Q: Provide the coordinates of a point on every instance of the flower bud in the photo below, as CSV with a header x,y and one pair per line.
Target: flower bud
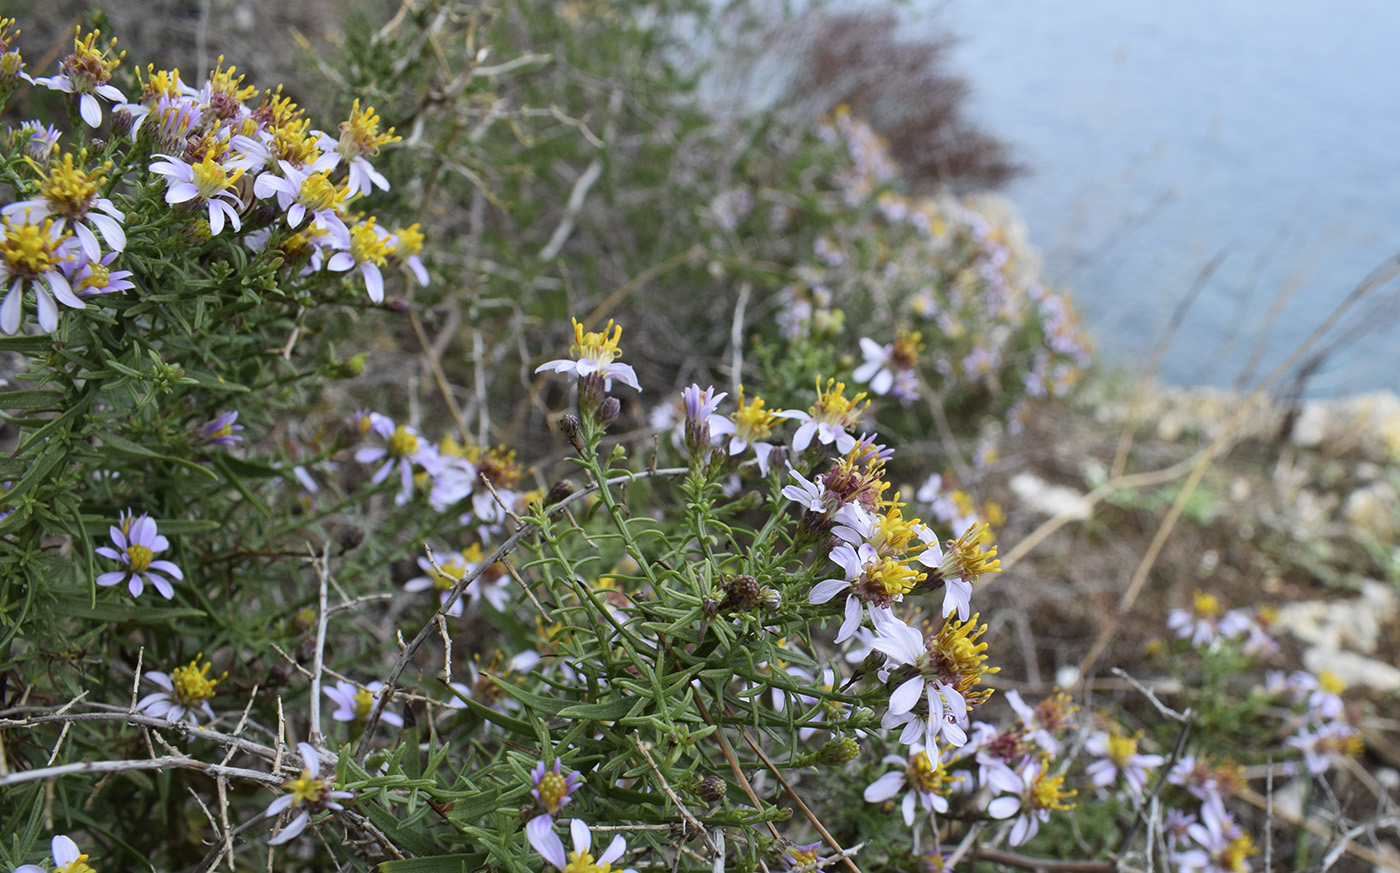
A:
x,y
558,492
569,425
770,599
609,410
741,592
838,751
710,607
711,789
121,123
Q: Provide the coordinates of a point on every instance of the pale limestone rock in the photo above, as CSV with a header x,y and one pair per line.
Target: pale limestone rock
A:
x,y
1048,498
1330,625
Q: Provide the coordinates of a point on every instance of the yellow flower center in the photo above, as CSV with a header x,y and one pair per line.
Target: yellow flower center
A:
x,y
402,442
803,857
77,865
317,192
210,177
753,422
139,556
278,111
97,279
158,83
582,862
957,659
366,246
965,558
1205,605
364,702
360,136
305,788
294,144
907,346
192,683
409,241
70,190
892,533
1049,792
451,572
31,249
833,407
226,82
600,348
553,789
1121,748
1331,682
1236,854
89,65
888,580
926,776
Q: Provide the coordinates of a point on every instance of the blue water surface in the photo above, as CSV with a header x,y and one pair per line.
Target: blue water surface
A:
x,y
1161,133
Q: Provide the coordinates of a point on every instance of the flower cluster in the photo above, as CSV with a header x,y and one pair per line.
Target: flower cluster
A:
x,y
234,160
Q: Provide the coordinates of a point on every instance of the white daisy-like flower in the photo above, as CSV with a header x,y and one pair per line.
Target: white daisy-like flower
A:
x,y
403,448
66,858
137,541
830,420
308,792
354,702
86,74
920,776
208,181
367,249
185,693
540,833
1039,794
69,193
595,354
32,254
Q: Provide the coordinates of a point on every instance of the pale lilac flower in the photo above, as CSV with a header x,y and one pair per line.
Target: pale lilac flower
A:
x,y
920,776
308,792
72,200
222,430
209,182
1118,758
403,447
540,833
1221,846
66,858
829,420
552,790
594,354
1040,793
924,704
354,703
811,496
185,693
32,253
86,73
36,140
90,278
875,580
137,541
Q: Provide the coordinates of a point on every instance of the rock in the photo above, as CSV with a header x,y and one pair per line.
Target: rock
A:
x,y
1048,498
1353,669
1372,509
1331,625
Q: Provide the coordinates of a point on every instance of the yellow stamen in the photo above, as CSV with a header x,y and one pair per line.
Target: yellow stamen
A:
x,y
597,347
32,250
360,136
753,422
305,788
192,683
366,246
553,788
